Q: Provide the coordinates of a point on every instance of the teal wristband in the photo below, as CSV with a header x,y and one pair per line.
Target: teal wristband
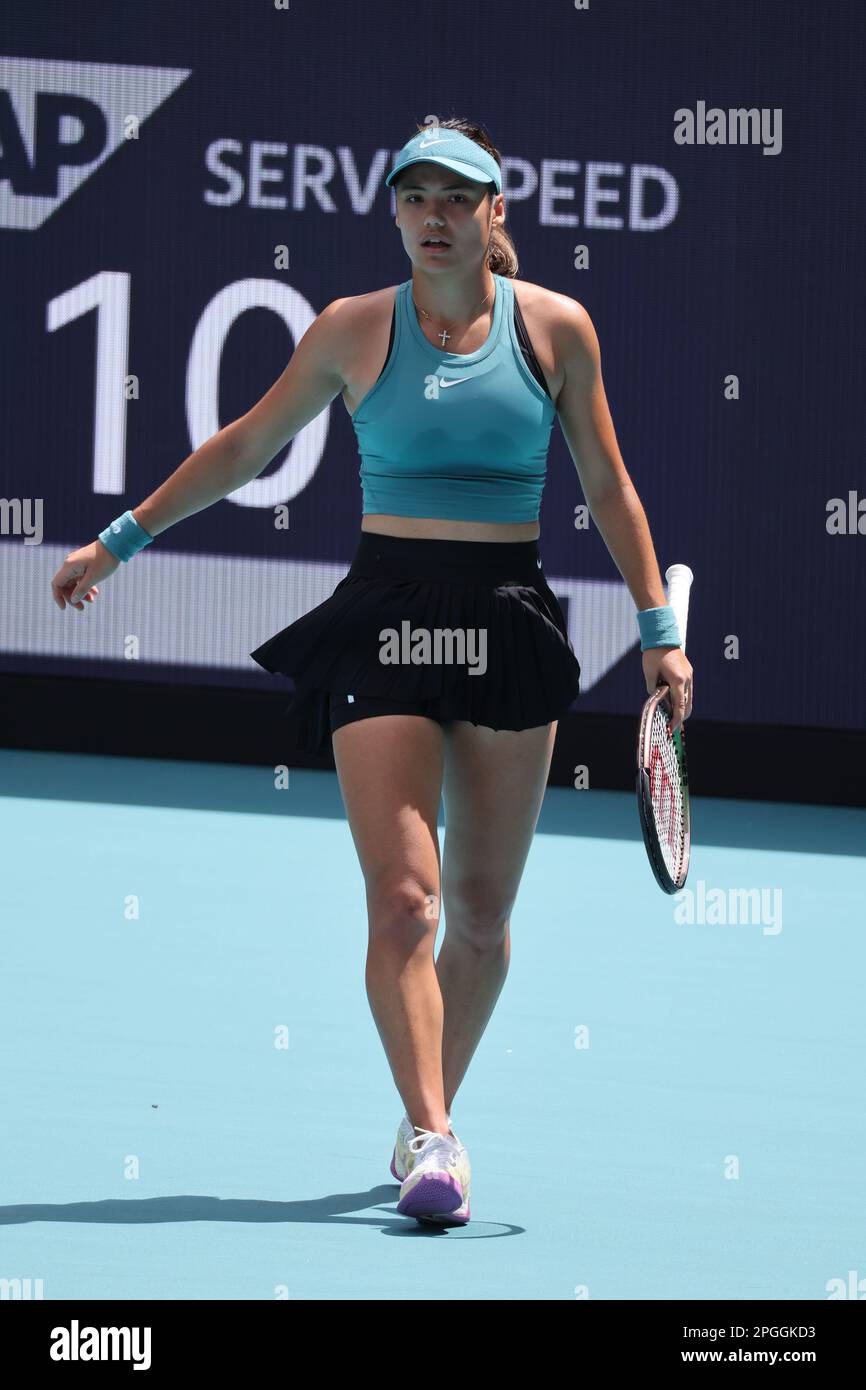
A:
x,y
658,628
124,537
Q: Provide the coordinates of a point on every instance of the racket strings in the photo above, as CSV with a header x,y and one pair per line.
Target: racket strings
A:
x,y
666,793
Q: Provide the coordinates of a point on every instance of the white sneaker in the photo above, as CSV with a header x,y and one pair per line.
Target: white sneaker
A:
x,y
437,1183
403,1157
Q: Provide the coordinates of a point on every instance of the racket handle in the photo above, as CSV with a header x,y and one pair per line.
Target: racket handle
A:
x,y
679,578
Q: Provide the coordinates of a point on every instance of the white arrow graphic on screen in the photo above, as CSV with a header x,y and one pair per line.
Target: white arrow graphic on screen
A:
x,y
105,95
212,610
601,623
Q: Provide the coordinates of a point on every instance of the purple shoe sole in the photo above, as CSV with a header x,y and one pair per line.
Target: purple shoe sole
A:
x,y
435,1193
432,1218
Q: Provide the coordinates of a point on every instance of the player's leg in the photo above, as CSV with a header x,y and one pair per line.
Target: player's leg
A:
x,y
494,784
390,773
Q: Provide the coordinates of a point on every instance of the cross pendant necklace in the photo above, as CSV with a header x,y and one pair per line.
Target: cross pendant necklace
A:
x,y
444,335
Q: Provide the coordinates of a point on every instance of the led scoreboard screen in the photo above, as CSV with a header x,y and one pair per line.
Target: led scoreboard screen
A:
x,y
179,199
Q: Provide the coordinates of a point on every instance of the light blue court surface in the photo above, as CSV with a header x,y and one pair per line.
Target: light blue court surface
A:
x,y
658,1109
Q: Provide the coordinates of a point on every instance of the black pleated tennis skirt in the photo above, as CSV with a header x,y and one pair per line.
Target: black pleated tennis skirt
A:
x,y
468,629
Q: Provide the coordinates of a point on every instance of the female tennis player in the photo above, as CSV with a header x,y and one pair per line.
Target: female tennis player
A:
x,y
441,663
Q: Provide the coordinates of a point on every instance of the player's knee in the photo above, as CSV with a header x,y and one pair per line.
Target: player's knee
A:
x,y
477,914
404,907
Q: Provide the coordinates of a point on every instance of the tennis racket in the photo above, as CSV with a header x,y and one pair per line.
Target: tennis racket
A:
x,y
662,775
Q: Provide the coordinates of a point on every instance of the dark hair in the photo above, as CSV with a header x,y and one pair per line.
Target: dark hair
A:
x,y
501,253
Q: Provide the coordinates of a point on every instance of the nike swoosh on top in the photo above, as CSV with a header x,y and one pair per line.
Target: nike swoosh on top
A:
x,y
455,380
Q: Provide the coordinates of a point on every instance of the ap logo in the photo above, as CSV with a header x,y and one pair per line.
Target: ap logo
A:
x,y
60,121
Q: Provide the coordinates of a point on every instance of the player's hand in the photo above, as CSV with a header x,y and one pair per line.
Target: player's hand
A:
x,y
670,666
75,581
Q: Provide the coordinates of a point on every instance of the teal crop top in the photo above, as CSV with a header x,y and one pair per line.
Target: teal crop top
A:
x,y
463,436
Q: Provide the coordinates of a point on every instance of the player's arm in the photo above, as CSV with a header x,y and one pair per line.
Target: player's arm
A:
x,y
585,418
232,456
243,448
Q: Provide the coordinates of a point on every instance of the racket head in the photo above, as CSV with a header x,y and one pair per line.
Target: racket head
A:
x,y
662,788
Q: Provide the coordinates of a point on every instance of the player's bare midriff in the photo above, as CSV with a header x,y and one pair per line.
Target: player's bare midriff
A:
x,y
373,328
